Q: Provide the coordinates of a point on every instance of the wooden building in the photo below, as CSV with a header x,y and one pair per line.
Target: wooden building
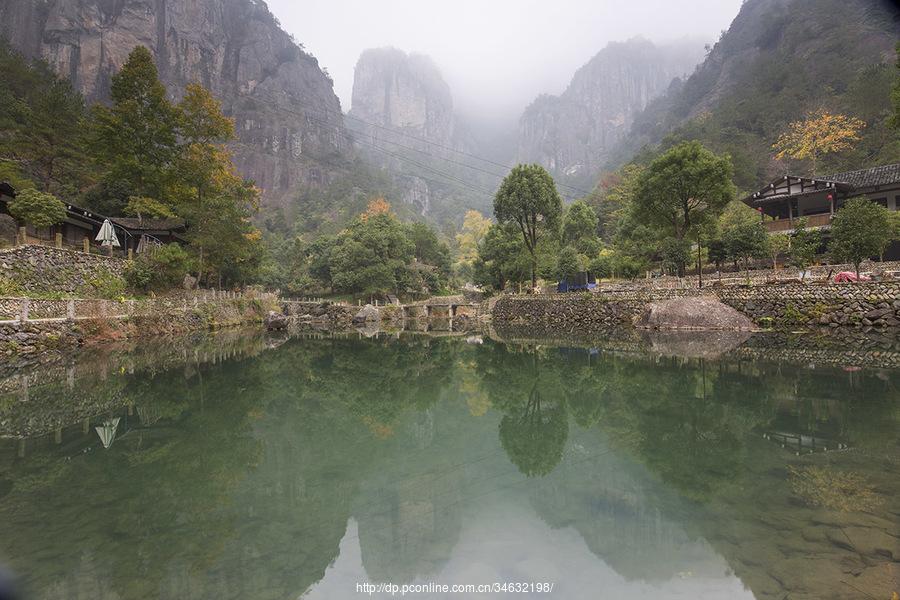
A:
x,y
817,199
82,224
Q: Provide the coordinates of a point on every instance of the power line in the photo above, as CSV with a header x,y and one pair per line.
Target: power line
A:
x,y
453,178
292,97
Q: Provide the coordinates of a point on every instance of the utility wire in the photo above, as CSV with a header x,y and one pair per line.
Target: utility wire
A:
x,y
340,116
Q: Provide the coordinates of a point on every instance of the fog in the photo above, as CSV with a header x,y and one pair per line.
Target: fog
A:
x,y
496,55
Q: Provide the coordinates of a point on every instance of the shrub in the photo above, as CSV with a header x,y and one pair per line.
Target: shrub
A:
x,y
37,208
104,285
162,269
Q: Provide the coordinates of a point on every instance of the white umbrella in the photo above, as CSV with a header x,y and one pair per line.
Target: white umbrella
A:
x,y
107,431
107,235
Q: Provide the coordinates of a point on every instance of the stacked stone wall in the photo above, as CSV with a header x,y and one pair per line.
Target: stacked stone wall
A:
x,y
47,270
792,306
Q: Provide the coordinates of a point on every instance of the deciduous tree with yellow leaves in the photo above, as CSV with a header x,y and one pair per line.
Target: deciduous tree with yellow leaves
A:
x,y
820,133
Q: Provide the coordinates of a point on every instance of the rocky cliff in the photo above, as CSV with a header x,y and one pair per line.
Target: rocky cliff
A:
x,y
571,134
288,118
778,60
403,119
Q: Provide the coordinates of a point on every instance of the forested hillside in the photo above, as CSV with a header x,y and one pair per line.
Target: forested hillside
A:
x,y
779,60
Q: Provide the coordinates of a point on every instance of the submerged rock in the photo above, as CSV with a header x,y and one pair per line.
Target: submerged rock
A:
x,y
692,313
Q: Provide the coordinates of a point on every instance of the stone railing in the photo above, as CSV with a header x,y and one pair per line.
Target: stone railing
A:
x,y
30,310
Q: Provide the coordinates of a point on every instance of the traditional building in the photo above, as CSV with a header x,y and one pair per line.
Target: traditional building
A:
x,y
816,199
82,224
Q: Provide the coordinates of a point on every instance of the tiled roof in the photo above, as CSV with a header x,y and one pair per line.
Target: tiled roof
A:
x,y
863,178
148,224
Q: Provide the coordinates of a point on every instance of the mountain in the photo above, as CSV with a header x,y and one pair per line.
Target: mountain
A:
x,y
778,60
403,120
290,128
571,134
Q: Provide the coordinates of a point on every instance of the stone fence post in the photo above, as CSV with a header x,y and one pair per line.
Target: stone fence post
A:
x,y
70,310
24,308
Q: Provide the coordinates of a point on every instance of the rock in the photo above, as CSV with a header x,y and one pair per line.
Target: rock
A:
x,y
276,321
189,283
367,314
237,50
872,315
693,313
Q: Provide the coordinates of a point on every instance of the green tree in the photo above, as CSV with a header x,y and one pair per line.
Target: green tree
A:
x,y
208,193
683,188
674,254
42,123
569,263
717,250
148,207
502,258
37,208
135,139
371,256
860,230
778,244
804,246
580,228
745,242
528,198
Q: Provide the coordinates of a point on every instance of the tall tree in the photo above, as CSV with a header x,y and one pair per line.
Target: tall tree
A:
x,y
528,198
475,226
580,228
817,135
684,189
860,230
135,139
41,124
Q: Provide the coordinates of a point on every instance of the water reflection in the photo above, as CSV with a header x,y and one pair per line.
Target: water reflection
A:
x,y
248,466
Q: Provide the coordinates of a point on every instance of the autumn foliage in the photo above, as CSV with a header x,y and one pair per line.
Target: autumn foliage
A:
x,y
820,133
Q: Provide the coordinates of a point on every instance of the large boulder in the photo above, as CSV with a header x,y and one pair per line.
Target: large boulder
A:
x,y
276,321
693,313
367,314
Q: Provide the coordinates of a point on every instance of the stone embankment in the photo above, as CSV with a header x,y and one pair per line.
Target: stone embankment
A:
x,y
29,327
44,269
788,307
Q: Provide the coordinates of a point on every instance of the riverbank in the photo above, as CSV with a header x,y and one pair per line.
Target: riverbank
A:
x,y
781,307
33,330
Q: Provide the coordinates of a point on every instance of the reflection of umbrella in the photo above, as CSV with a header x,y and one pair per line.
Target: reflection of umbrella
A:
x,y
107,235
107,431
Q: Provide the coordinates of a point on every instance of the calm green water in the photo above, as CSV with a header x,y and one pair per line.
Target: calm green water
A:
x,y
255,468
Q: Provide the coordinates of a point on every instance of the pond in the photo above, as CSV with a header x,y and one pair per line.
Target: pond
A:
x,y
245,466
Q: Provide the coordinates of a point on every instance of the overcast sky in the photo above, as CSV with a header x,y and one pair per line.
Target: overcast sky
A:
x,y
497,55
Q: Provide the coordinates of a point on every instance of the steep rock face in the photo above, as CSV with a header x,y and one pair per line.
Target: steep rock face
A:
x,y
571,134
288,119
402,92
778,60
403,119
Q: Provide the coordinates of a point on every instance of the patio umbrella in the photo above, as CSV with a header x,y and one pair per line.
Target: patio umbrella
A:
x,y
107,431
107,235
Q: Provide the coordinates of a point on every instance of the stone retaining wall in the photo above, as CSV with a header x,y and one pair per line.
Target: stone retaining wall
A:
x,y
104,320
794,306
45,269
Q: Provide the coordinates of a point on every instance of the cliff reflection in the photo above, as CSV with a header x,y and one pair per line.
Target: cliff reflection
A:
x,y
233,469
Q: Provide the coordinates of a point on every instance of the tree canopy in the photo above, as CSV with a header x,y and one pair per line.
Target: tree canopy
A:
x,y
860,230
37,208
528,198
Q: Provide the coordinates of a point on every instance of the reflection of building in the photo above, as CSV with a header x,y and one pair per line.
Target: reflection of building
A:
x,y
816,199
